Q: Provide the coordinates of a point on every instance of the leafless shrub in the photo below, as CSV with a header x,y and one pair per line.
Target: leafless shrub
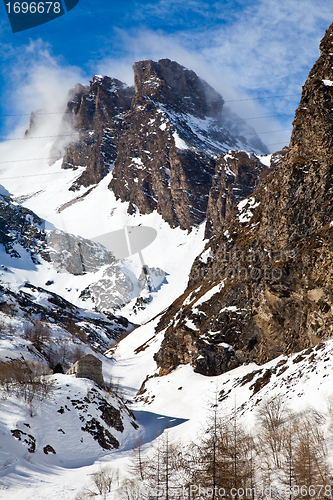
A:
x,y
133,489
272,417
85,494
38,333
311,464
25,379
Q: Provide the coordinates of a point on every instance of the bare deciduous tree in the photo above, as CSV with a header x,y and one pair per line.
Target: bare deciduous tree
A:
x,y
26,379
139,462
104,479
272,418
311,465
133,489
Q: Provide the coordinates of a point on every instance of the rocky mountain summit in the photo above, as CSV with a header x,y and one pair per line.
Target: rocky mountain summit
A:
x,y
162,139
263,286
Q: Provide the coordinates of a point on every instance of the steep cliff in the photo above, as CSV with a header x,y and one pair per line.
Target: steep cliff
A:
x,y
263,286
237,174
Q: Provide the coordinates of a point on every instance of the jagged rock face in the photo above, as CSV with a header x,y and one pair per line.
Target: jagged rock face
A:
x,y
312,133
35,118
263,286
117,287
154,174
237,174
94,112
161,140
156,169
75,254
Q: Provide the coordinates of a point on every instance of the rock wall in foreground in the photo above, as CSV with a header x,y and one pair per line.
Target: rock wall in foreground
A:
x,y
263,286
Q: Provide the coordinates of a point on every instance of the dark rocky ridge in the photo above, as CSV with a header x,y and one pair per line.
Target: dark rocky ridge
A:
x,y
263,285
237,174
161,140
36,303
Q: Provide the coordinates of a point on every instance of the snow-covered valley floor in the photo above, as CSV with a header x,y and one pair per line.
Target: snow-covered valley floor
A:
x,y
179,401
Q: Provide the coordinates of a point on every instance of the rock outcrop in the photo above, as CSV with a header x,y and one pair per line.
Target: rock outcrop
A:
x,y
19,225
263,286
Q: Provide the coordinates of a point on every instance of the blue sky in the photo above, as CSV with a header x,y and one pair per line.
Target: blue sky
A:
x,y
250,51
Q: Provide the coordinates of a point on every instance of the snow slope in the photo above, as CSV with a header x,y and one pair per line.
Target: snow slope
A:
x,y
304,378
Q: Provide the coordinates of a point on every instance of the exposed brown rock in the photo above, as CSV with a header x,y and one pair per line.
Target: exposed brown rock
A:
x,y
151,173
167,151
157,167
263,286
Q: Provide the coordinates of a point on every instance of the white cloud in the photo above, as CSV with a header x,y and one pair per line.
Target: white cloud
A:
x,y
37,81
